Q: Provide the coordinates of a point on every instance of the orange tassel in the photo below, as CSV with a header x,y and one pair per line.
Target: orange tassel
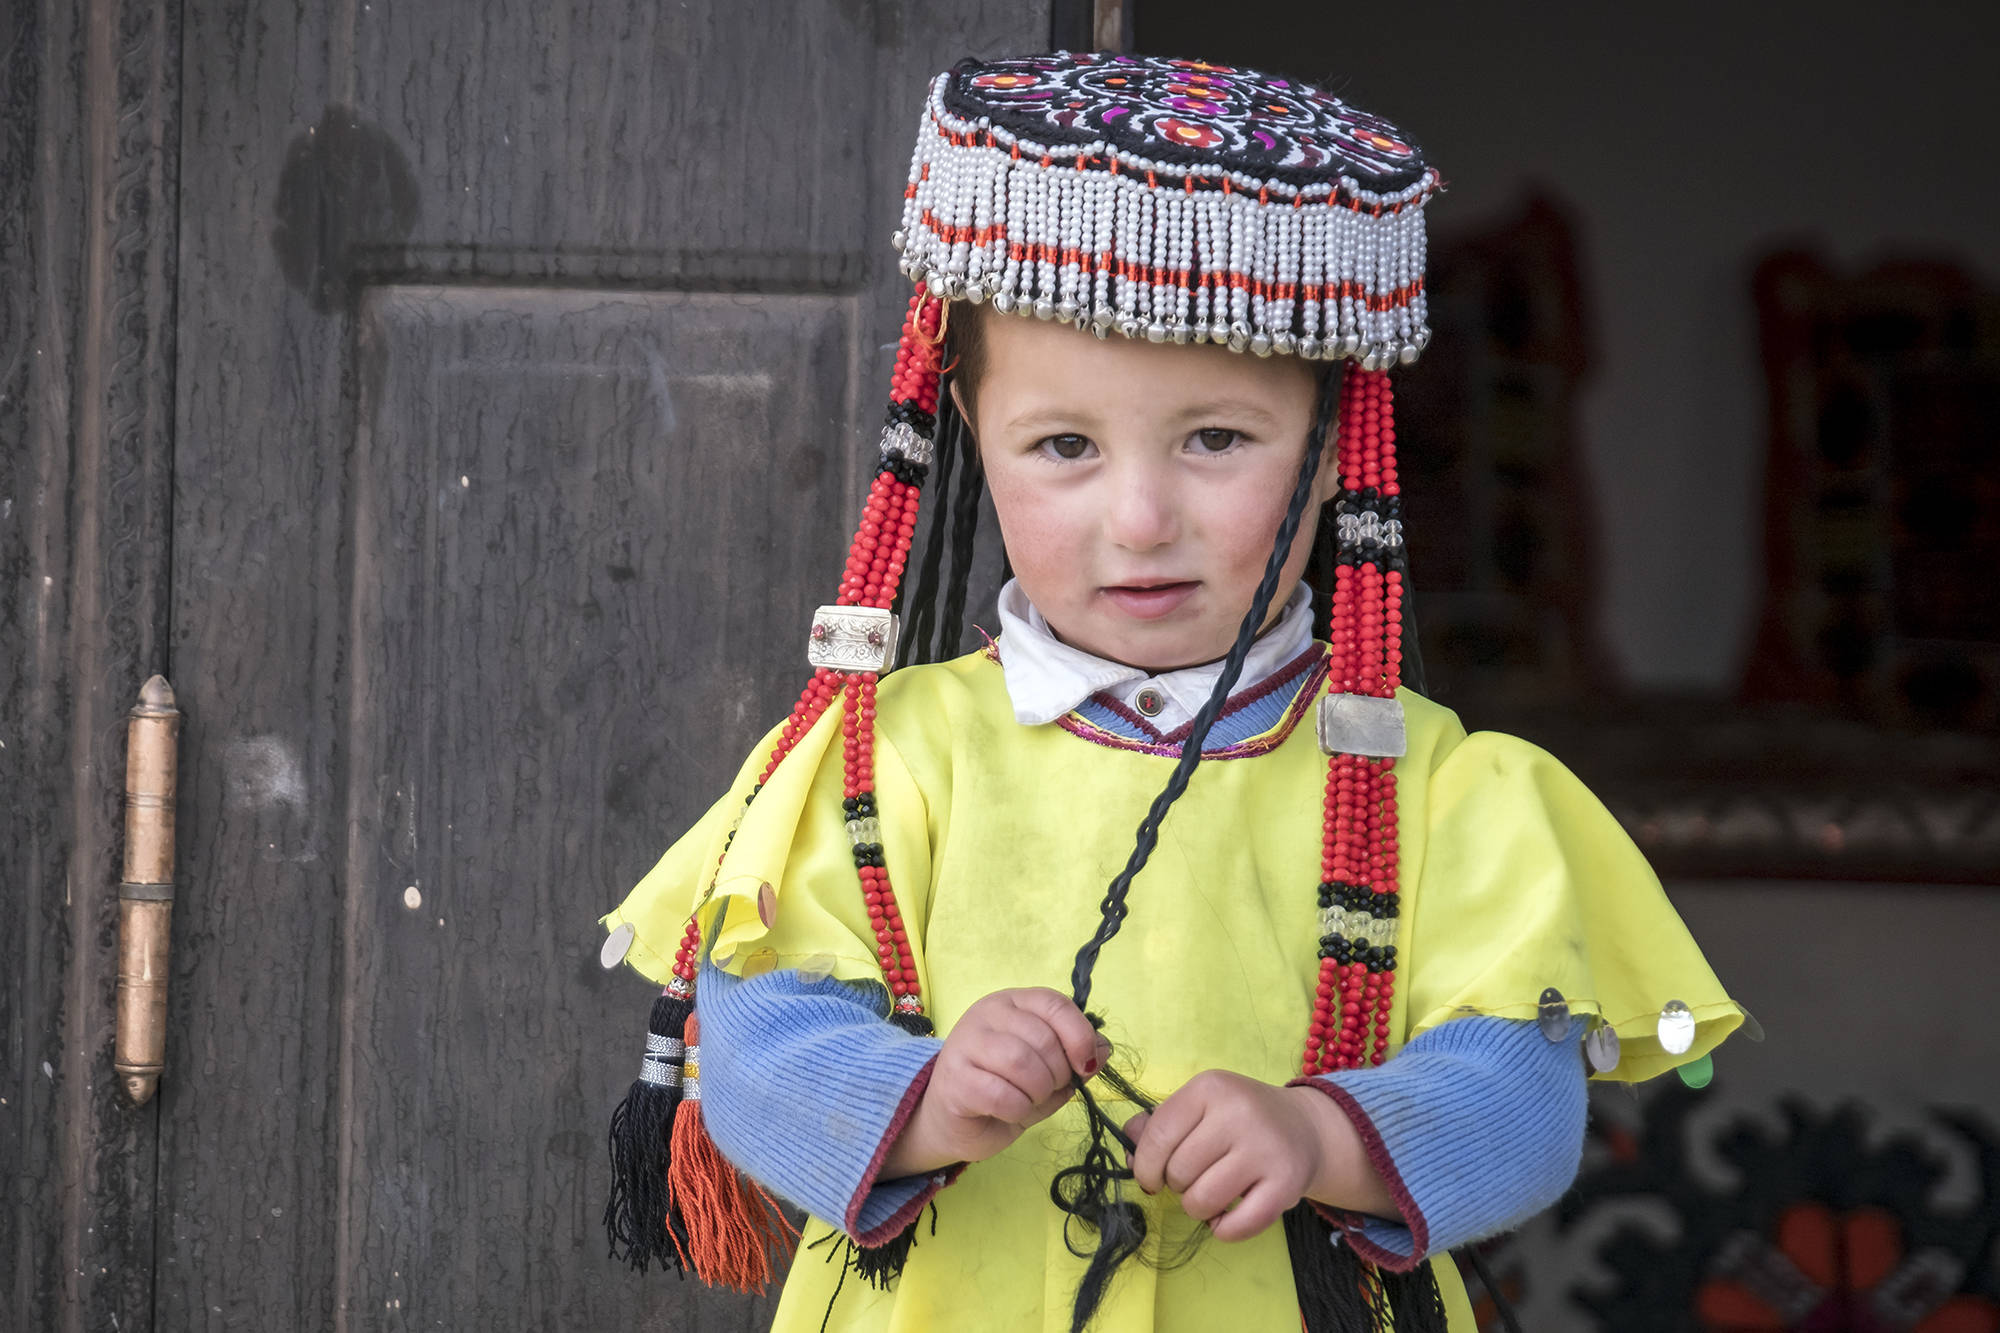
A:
x,y
736,1234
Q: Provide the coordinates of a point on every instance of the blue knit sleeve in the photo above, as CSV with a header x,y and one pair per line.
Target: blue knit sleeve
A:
x,y
805,1085
1475,1126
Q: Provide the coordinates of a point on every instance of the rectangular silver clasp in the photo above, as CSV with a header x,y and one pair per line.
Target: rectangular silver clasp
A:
x,y
852,638
1362,724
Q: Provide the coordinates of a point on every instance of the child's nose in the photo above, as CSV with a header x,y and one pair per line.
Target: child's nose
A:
x,y
1141,516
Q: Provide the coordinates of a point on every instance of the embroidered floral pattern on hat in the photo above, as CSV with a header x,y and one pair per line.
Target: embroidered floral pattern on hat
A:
x,y
1171,199
1270,126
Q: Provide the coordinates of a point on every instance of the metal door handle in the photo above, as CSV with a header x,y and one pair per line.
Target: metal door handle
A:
x,y
146,898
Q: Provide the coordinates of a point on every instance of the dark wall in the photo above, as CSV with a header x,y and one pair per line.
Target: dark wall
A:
x,y
1688,140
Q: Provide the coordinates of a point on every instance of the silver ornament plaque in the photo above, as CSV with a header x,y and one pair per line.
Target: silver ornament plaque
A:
x,y
1676,1027
852,638
1552,1014
1601,1048
1362,724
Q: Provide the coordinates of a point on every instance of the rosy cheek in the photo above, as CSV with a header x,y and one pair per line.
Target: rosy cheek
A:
x,y
1043,545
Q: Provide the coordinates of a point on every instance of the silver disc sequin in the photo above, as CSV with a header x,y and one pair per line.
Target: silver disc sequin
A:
x,y
1676,1027
616,945
1601,1048
1552,1014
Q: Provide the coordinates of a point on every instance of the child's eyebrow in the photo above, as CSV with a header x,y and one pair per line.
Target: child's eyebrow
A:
x,y
1223,408
1212,410
1042,418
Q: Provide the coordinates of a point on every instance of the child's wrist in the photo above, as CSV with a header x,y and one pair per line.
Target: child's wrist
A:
x,y
914,1151
1345,1177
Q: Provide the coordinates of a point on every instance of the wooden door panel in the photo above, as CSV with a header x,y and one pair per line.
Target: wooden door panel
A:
x,y
626,141
591,484
499,328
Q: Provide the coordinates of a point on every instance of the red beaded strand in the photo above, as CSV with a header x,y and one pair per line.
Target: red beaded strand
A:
x,y
1358,844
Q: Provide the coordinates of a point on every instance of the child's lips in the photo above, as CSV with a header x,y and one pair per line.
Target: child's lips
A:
x,y
1150,600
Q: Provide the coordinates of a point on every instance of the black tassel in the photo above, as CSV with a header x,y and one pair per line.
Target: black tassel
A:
x,y
1331,1282
639,1219
880,1265
1414,1300
877,1265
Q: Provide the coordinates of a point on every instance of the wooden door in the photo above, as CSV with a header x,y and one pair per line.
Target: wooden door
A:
x,y
501,388
529,359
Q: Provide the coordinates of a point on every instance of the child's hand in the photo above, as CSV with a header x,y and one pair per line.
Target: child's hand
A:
x,y
1225,1140
1007,1064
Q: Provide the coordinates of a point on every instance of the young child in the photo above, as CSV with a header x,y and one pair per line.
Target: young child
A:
x,y
1363,952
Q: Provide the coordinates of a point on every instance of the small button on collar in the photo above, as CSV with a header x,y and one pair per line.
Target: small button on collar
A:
x,y
1149,701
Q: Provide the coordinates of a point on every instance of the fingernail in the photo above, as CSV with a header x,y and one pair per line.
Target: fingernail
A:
x,y
1091,1066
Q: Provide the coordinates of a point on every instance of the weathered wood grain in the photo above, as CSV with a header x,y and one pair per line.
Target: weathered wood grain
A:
x,y
566,638
89,106
529,361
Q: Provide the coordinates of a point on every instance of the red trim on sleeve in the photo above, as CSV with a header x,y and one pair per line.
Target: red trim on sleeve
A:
x,y
1346,1220
907,1214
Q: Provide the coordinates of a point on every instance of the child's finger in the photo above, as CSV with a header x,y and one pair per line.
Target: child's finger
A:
x,y
1207,1196
1259,1208
1197,1164
1025,1069
1164,1129
1037,1036
1049,1105
1080,1041
985,1093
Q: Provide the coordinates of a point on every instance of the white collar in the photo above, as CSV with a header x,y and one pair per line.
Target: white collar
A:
x,y
1046,677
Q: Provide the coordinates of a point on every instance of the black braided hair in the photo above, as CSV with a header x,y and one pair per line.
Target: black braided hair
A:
x,y
938,593
1113,906
1088,1191
922,597
965,529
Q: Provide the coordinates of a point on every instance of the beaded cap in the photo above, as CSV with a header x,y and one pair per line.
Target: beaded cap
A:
x,y
1171,199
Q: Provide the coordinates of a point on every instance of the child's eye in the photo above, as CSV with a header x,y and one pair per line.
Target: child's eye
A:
x,y
1065,448
1214,440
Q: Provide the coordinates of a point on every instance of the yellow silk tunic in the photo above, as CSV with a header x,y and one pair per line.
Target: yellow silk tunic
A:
x,y
1000,839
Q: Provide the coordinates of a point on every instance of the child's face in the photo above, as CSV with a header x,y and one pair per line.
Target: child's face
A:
x,y
1140,485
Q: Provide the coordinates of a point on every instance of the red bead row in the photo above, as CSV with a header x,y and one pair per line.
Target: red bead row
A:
x,y
881,546
915,380
1358,842
1368,432
875,567
892,941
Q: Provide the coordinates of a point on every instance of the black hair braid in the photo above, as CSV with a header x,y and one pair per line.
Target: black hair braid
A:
x,y
1113,906
916,640
964,529
1088,1192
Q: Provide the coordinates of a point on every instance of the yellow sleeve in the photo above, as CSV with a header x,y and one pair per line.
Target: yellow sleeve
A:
x,y
657,908
792,838
1527,882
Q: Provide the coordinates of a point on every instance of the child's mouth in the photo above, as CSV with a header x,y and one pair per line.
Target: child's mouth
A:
x,y
1149,601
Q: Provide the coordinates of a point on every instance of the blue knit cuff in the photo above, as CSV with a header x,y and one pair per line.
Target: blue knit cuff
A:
x,y
804,1086
1475,1126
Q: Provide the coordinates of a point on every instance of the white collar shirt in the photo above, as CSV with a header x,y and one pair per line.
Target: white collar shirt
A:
x,y
1047,678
